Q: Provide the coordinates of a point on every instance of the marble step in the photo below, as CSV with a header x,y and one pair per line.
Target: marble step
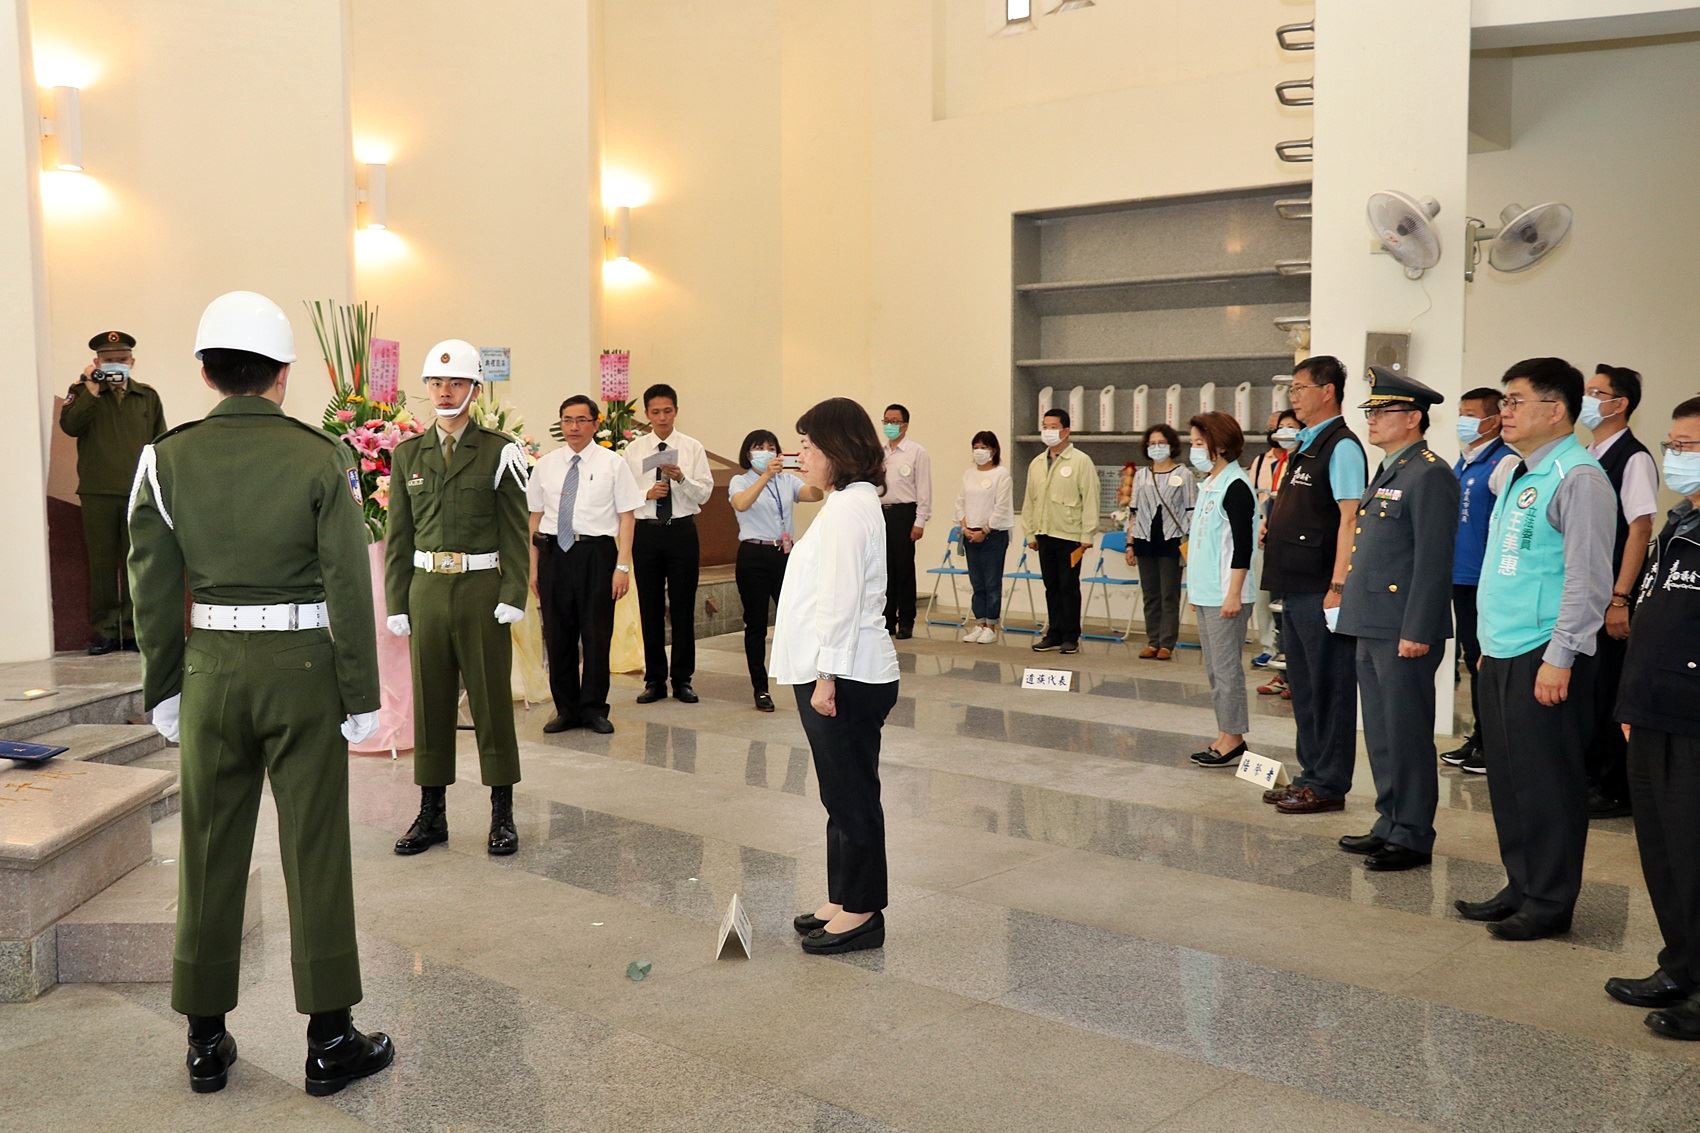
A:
x,y
119,703
104,743
169,803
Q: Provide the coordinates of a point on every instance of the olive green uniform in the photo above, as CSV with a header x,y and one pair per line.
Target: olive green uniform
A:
x,y
251,507
111,427
474,505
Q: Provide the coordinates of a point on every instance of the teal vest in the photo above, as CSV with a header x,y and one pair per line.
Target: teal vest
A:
x,y
1523,570
1211,545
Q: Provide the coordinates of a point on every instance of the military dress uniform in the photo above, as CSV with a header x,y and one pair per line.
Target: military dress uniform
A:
x,y
1399,588
110,428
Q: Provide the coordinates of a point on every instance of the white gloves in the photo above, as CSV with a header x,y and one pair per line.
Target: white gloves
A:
x,y
399,625
361,725
507,614
165,717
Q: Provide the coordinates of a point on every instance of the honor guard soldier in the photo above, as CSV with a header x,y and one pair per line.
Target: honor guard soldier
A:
x,y
1397,605
260,515
456,571
112,416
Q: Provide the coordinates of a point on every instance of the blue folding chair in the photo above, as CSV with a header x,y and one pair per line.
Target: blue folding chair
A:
x,y
1022,574
1100,583
947,568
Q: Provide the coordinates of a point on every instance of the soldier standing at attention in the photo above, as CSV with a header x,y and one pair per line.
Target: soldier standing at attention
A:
x,y
112,416
1398,606
456,570
261,515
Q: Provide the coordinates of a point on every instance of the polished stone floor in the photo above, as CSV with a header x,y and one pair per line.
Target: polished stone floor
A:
x,y
1086,933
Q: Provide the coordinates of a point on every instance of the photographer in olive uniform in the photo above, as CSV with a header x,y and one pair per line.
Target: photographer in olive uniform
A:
x,y
457,567
260,516
112,416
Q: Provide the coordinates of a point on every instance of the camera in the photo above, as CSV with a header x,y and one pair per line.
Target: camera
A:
x,y
113,373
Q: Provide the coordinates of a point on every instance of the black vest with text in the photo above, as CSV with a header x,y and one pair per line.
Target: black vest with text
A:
x,y
1660,689
1304,528
1614,461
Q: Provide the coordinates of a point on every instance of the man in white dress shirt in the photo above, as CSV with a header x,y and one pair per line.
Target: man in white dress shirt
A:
x,y
665,552
582,498
907,505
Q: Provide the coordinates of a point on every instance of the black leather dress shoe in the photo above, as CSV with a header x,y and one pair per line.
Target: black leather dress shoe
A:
x,y
1391,859
1489,910
652,693
1679,1022
806,923
599,725
1657,990
764,702
1362,843
1210,757
131,645
869,934
209,1063
335,1063
559,723
685,694
904,633
1604,806
101,646
504,839
1522,926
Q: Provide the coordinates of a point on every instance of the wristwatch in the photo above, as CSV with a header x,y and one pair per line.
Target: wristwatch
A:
x,y
1337,588
825,677
623,568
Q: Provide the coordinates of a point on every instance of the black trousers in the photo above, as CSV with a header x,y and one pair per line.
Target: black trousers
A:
x,y
1470,650
760,572
1664,788
576,588
846,748
665,561
1062,587
1607,755
1322,672
1536,781
899,566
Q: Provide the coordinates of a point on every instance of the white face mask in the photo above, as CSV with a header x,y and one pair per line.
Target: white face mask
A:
x,y
1157,452
760,458
451,414
1201,458
1287,437
1051,437
982,456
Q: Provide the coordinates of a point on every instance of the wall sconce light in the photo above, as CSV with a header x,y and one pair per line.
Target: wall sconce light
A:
x,y
65,127
373,196
617,234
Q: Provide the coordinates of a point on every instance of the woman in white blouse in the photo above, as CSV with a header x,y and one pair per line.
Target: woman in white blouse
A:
x,y
830,643
985,510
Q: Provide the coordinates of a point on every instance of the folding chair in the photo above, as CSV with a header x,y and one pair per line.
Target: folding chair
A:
x,y
1022,574
947,568
1111,541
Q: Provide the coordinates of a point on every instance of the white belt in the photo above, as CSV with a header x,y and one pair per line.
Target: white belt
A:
x,y
258,619
455,562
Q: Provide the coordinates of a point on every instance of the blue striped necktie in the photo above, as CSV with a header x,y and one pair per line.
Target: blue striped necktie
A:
x,y
564,535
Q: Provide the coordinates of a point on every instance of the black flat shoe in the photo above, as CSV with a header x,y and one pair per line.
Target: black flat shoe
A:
x,y
333,1064
869,934
806,923
652,693
599,725
903,634
1522,926
101,646
1391,859
1489,910
1604,806
764,702
558,723
209,1063
1362,843
1210,757
1679,1022
1657,990
685,694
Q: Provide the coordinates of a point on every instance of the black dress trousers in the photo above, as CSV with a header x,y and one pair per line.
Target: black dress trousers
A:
x,y
760,572
1664,788
1062,587
666,559
576,588
899,566
847,762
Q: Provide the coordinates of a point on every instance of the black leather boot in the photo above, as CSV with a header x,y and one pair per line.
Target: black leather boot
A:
x,y
337,1055
211,1051
432,825
504,839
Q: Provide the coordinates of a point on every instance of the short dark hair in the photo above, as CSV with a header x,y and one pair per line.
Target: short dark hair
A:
x,y
583,399
990,440
844,434
755,437
1286,413
1484,393
1221,433
1626,383
1689,408
1167,432
1325,370
902,411
660,389
240,373
1060,414
1551,377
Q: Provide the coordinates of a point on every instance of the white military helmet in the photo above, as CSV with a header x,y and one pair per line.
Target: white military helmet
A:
x,y
244,320
452,358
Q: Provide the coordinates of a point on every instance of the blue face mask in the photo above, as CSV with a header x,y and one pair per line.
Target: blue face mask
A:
x,y
892,430
1287,437
1682,472
760,458
1469,429
1591,416
1157,452
1201,459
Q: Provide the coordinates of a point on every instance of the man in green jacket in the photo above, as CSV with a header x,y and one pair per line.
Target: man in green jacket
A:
x,y
457,565
112,416
1060,515
259,515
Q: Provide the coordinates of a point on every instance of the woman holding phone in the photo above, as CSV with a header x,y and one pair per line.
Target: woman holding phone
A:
x,y
765,497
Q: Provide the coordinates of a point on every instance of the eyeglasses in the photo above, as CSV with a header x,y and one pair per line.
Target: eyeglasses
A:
x,y
1295,387
578,420
1516,403
1386,409
1680,446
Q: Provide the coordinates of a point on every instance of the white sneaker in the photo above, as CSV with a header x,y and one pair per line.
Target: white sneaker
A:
x,y
988,635
972,636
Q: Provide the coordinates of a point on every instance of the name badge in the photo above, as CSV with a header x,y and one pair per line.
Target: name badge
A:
x,y
1176,479
903,470
1066,472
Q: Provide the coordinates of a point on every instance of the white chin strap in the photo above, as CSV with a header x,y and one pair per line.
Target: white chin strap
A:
x,y
451,414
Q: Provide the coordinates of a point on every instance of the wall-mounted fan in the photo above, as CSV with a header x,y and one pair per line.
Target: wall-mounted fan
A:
x,y
1404,226
1523,239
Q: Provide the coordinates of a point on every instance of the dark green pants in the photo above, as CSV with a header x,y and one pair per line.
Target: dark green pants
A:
x,y
456,639
106,536
263,705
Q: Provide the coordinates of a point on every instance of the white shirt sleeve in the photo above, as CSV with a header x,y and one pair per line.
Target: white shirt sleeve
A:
x,y
1003,508
923,487
534,487
698,483
1501,474
1640,495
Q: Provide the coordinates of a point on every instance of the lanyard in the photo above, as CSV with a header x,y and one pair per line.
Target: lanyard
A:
x,y
778,502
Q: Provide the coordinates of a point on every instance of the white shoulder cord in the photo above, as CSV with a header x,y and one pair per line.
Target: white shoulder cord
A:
x,y
148,467
513,460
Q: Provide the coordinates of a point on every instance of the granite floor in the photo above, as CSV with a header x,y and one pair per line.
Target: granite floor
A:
x,y
1086,933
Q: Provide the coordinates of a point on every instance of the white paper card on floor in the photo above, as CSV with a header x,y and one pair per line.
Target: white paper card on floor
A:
x,y
736,927
1262,770
1056,680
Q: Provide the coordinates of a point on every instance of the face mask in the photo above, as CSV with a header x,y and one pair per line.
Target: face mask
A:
x,y
891,430
1201,458
1469,429
760,458
1157,452
982,456
1332,617
1051,437
1591,416
1682,472
456,411
1287,438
